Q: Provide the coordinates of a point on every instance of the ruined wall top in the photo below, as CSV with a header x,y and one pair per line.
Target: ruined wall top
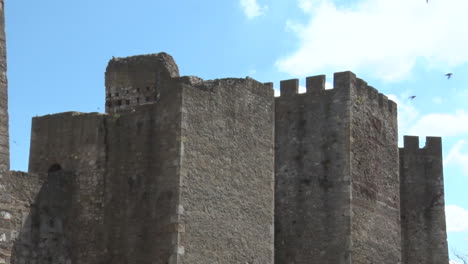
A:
x,y
137,80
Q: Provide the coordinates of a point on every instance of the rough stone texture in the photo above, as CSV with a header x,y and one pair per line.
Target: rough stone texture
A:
x,y
312,185
142,182
142,178
75,143
4,139
337,180
180,170
45,234
375,203
18,191
424,237
227,172
137,80
125,179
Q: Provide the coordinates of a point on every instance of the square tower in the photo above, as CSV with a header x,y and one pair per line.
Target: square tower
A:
x,y
137,80
185,178
336,166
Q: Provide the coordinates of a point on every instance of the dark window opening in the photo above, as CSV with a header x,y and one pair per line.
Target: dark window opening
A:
x,y
55,167
119,102
127,102
147,99
109,103
126,91
138,89
138,99
109,95
147,88
116,94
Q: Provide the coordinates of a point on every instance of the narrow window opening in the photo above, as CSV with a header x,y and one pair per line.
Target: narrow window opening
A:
x,y
127,102
138,99
119,102
55,167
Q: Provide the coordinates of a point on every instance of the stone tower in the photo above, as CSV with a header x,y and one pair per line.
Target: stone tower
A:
x,y
183,177
4,139
424,236
137,80
337,186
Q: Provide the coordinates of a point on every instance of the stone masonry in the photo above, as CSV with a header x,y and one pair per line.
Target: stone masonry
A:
x,y
337,169
424,239
4,139
184,170
163,181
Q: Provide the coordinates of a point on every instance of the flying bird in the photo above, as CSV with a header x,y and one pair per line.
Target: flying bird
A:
x,y
448,75
412,97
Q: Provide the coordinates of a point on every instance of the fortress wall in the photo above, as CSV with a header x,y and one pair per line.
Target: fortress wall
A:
x,y
375,177
4,138
226,197
137,80
18,191
124,190
72,143
141,182
312,167
424,238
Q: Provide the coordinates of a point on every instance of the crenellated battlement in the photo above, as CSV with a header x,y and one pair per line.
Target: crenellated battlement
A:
x,y
342,81
433,145
422,206
316,84
367,93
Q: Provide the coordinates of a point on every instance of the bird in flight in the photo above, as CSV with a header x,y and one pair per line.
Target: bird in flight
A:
x,y
412,97
448,75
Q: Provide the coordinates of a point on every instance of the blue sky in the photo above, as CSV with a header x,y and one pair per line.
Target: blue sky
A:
x,y
58,51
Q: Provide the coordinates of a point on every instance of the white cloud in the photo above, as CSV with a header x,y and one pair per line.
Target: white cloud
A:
x,y
407,113
456,157
252,9
277,92
382,37
457,218
306,5
453,262
302,89
447,124
437,100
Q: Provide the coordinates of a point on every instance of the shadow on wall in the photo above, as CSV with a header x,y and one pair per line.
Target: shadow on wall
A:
x,y
43,237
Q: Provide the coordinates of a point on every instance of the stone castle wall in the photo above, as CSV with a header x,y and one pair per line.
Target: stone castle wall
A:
x,y
375,184
227,173
181,170
18,191
312,184
124,191
337,179
141,178
137,80
424,236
